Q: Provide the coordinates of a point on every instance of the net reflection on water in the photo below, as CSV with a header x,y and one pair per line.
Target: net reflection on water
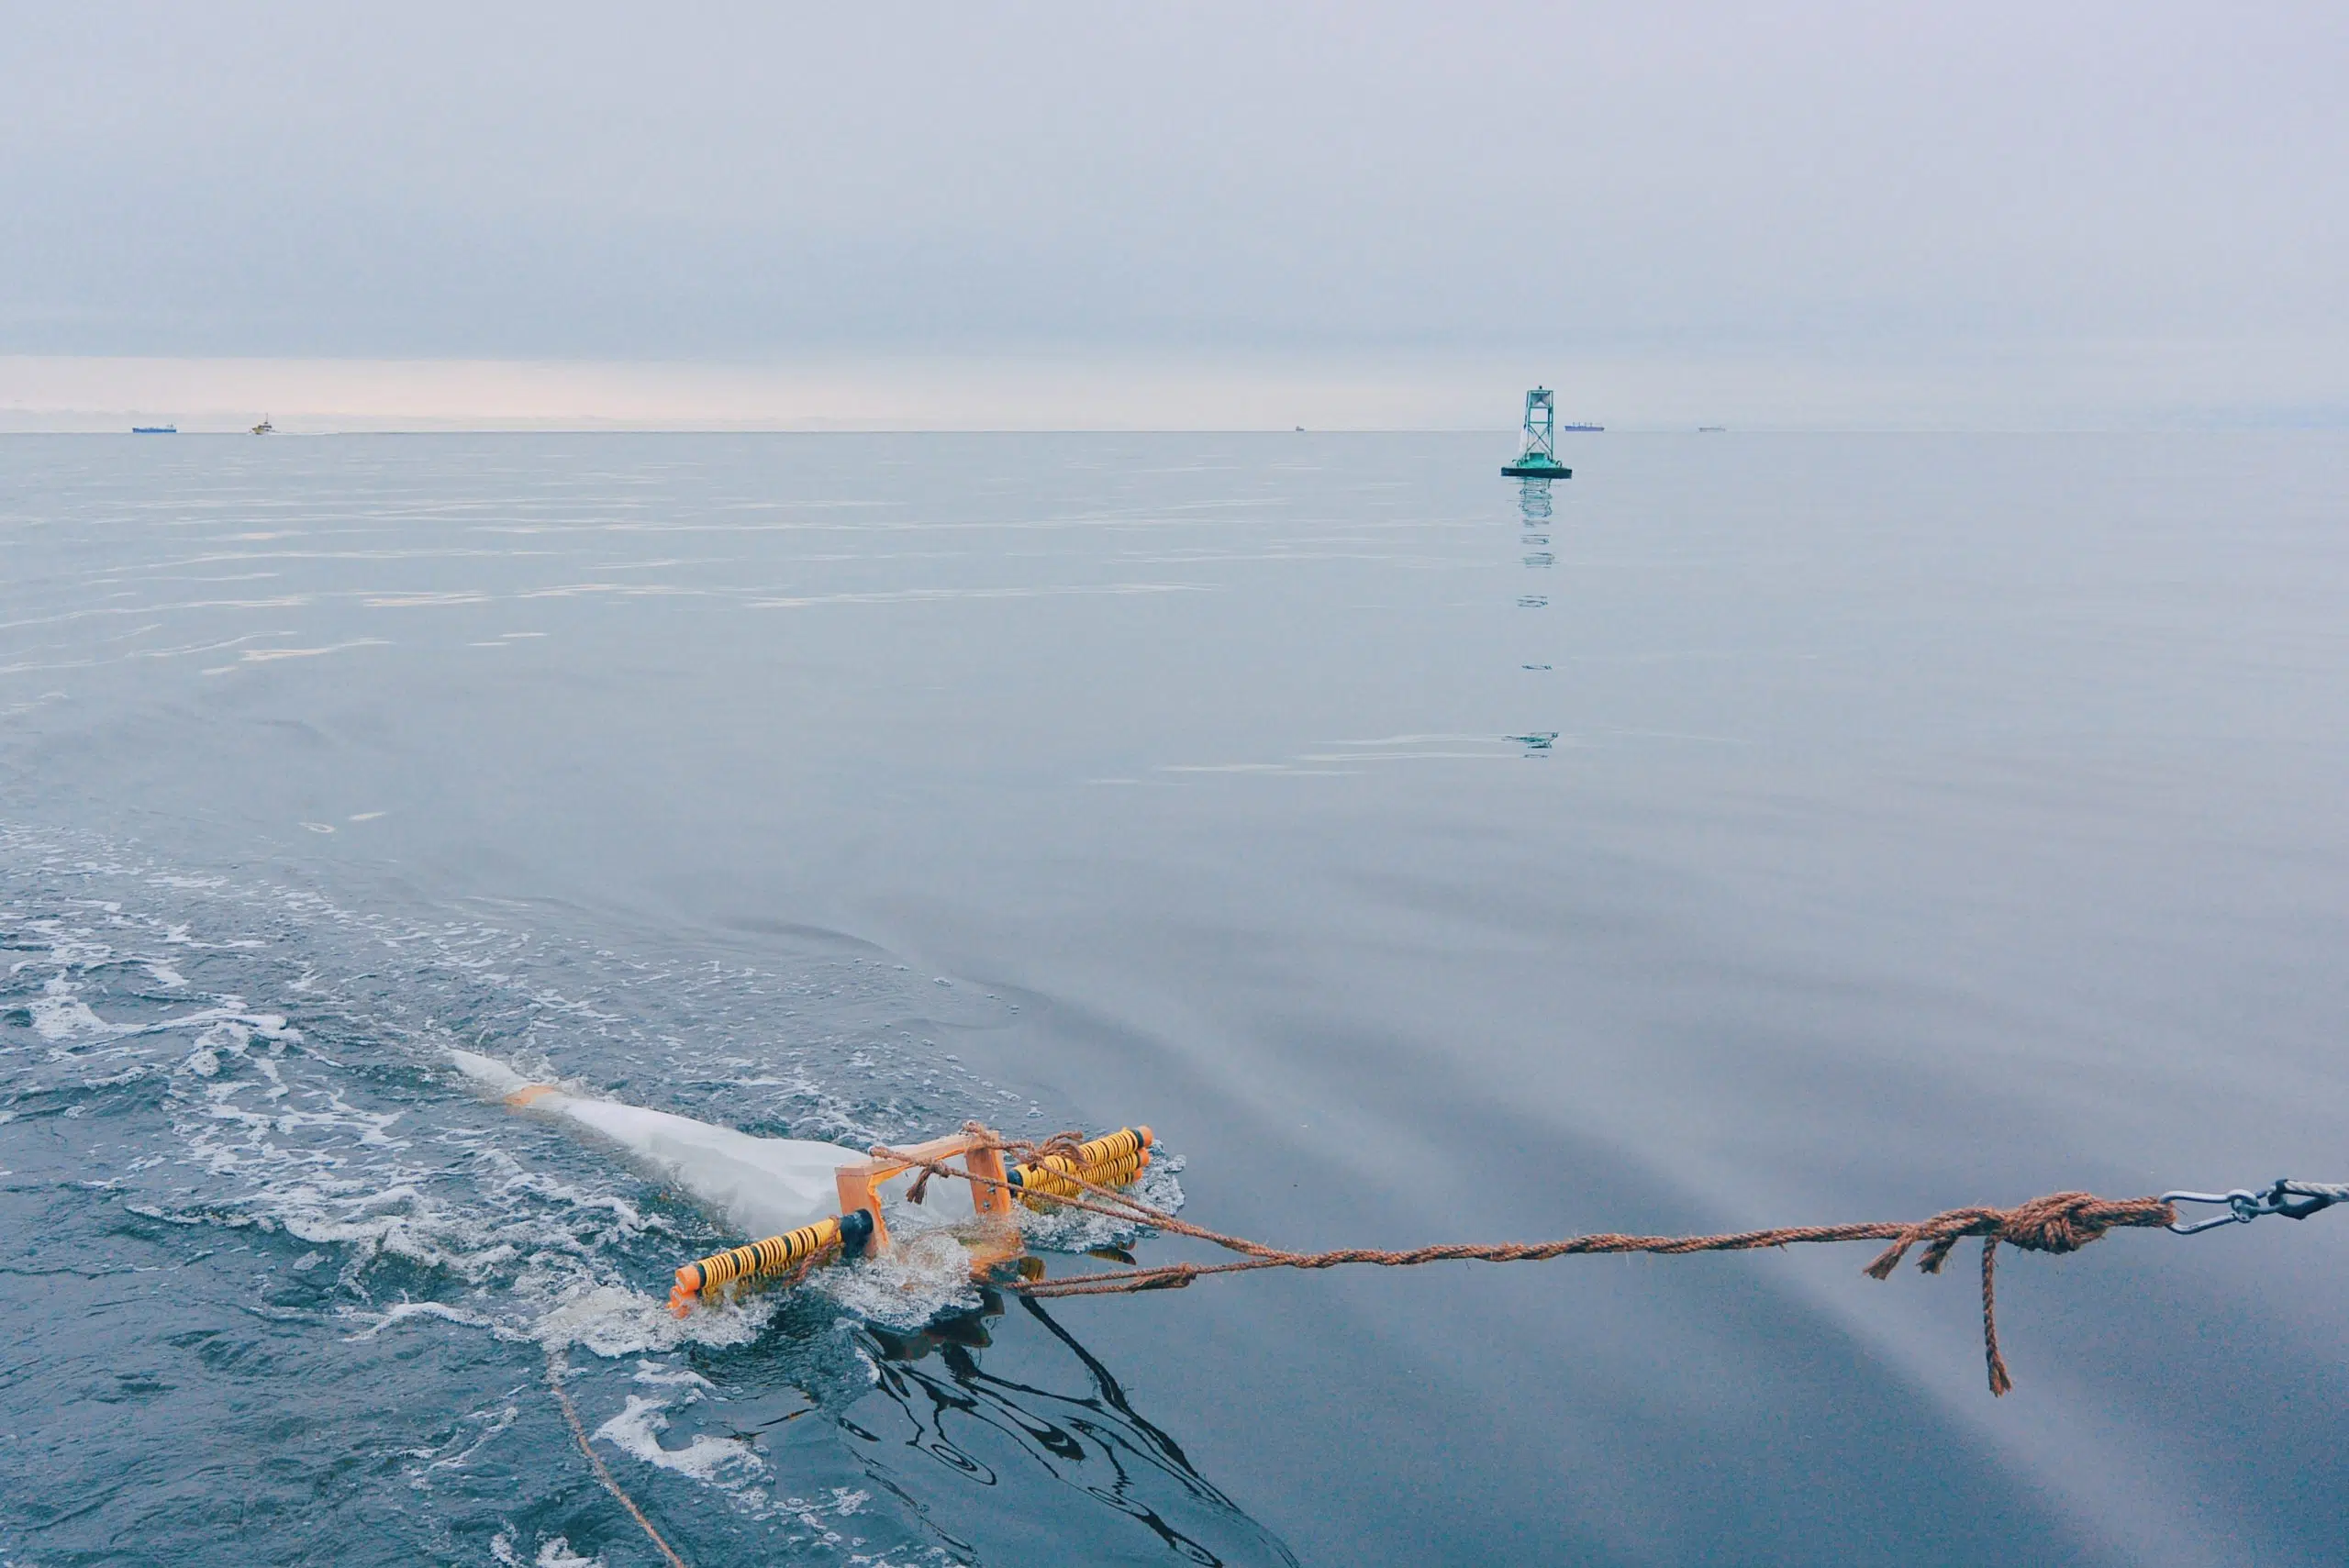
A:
x,y
1064,1417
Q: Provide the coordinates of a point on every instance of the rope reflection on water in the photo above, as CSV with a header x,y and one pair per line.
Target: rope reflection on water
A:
x,y
1066,1417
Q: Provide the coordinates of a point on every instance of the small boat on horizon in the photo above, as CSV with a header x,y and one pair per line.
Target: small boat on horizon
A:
x,y
264,428
154,429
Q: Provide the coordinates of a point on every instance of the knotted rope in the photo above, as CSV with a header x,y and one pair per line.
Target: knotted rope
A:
x,y
2058,1223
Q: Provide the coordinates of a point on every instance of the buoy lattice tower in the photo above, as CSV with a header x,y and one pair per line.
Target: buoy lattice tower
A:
x,y
1541,424
1538,457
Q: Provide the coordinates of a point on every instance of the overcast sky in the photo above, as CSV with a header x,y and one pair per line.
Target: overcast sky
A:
x,y
2147,203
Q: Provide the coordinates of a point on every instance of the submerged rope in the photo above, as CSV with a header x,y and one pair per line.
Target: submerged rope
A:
x,y
2057,1223
579,1435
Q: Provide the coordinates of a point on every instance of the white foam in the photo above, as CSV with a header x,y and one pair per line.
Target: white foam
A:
x,y
553,1552
659,1376
404,1311
729,1463
920,1278
59,1013
489,1426
612,1321
1062,1229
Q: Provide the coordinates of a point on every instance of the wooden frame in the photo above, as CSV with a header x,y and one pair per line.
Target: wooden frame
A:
x,y
860,1185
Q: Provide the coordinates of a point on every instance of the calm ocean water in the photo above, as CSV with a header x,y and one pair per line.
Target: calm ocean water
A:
x,y
1757,831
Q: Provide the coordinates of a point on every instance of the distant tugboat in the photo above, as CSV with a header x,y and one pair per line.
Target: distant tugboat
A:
x,y
154,429
264,428
1539,458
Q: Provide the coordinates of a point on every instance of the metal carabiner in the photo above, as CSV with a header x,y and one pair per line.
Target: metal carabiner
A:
x,y
2242,1207
2293,1200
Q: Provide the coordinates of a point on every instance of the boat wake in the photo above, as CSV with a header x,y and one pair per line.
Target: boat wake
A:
x,y
246,1194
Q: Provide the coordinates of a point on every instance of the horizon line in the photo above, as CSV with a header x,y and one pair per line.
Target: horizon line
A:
x,y
2133,428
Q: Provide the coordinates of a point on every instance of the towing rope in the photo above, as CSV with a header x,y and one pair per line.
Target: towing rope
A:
x,y
2060,1222
555,1367
2057,1223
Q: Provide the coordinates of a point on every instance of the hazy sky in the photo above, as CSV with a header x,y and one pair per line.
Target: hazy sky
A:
x,y
1948,206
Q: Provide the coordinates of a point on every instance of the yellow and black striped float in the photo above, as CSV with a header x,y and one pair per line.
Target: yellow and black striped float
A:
x,y
1110,1161
772,1255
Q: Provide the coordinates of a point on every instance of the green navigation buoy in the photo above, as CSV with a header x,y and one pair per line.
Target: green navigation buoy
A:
x,y
1539,458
